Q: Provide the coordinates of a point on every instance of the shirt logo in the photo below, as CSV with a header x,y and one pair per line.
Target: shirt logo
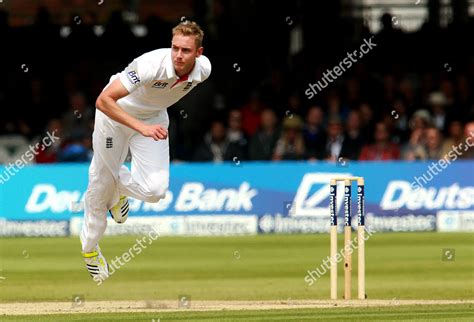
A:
x,y
159,84
188,86
132,75
108,142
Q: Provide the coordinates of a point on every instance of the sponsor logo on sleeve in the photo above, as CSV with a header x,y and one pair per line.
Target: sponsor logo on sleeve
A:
x,y
133,76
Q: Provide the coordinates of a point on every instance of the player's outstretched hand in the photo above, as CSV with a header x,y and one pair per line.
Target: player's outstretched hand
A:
x,y
154,131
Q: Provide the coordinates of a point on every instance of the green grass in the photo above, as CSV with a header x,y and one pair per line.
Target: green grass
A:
x,y
405,313
271,267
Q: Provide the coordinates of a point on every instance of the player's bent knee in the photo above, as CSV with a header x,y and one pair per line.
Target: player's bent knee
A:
x,y
157,189
157,193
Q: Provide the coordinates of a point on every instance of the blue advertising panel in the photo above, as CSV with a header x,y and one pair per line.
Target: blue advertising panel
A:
x,y
272,191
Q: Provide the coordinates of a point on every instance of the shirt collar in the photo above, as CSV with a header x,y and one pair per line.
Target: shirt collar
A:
x,y
195,74
170,73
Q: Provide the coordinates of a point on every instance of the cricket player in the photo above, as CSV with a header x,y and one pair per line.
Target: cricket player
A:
x,y
131,114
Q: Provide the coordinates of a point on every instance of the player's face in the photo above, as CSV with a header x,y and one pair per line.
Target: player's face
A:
x,y
184,52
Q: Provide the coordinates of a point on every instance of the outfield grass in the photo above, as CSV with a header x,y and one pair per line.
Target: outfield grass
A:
x,y
399,266
404,313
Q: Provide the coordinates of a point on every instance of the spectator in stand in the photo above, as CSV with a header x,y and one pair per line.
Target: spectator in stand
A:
x,y
264,141
455,138
382,149
367,120
78,116
390,40
293,107
216,146
421,119
335,107
251,114
399,114
290,145
414,148
76,150
314,134
447,88
338,145
235,134
49,154
437,103
433,143
468,152
390,123
354,134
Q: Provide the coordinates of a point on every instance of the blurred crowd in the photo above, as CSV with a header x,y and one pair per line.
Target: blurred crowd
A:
x,y
384,108
338,132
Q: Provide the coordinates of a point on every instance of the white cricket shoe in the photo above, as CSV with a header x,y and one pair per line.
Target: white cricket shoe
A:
x,y
119,212
96,265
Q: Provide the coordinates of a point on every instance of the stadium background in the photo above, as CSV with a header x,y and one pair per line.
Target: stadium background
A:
x,y
408,98
263,60
251,152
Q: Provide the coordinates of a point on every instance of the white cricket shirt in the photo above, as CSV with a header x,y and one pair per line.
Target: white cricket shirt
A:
x,y
153,84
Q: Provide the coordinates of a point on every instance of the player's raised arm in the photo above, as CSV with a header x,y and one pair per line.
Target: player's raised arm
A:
x,y
107,103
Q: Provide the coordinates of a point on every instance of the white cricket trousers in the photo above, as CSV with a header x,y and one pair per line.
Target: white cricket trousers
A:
x,y
109,178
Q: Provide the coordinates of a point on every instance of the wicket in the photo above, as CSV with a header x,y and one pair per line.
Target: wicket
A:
x,y
347,237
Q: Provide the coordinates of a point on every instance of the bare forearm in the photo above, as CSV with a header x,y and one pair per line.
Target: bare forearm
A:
x,y
110,108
